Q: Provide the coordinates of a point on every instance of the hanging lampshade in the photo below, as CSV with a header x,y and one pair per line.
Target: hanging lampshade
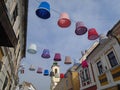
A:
x,y
46,72
57,57
32,49
43,10
57,75
84,64
102,38
32,68
22,71
80,28
92,34
46,53
64,20
52,74
39,70
67,60
61,75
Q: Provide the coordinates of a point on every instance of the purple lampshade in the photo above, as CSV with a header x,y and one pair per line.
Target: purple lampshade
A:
x,y
46,53
80,28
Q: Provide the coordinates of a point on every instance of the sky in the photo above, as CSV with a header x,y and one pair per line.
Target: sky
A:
x,y
46,34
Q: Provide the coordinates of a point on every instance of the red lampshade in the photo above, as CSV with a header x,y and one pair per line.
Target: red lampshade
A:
x,y
80,28
67,60
64,20
61,75
84,64
92,34
57,57
22,71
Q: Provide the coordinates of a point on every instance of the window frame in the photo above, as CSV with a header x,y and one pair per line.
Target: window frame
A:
x,y
112,66
98,67
85,75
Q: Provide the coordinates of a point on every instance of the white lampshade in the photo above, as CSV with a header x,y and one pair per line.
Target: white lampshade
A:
x,y
32,49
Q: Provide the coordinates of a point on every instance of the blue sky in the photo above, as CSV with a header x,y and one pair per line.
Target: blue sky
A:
x,y
45,33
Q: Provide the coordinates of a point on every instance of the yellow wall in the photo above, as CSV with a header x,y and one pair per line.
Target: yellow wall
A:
x,y
117,72
104,80
71,82
75,81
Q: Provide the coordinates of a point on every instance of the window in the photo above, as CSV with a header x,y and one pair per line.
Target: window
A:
x,y
112,59
85,75
67,83
55,71
100,67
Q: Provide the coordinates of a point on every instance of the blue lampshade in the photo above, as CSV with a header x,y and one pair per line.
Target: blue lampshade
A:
x,y
46,53
43,10
46,72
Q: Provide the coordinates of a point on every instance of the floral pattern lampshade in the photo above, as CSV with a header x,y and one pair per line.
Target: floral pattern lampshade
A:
x,y
80,28
64,20
45,54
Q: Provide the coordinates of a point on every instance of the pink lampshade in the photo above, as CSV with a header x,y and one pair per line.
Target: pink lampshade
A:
x,y
39,70
92,34
80,28
67,60
57,57
84,64
64,20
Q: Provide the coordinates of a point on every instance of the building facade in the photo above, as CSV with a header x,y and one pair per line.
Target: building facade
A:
x,y
26,86
55,78
13,32
105,60
70,80
86,75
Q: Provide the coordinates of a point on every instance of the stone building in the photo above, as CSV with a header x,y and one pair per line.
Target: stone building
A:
x,y
13,32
